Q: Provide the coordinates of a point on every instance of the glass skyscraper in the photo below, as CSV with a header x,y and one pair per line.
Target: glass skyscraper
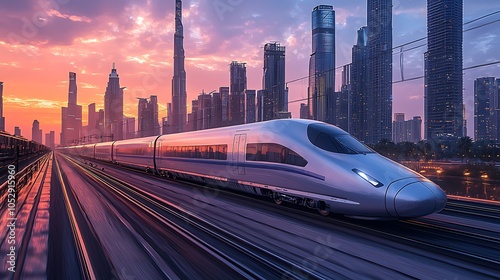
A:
x,y
275,98
443,70
486,99
322,64
358,107
379,99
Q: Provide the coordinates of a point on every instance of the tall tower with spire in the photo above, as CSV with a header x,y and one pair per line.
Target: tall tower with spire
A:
x,y
113,107
179,94
71,116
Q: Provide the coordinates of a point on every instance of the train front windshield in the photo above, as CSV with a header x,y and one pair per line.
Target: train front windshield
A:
x,y
333,139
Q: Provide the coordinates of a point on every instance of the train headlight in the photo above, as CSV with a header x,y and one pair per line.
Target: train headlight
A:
x,y
368,178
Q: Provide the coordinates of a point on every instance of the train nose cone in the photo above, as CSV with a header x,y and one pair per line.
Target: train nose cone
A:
x,y
419,199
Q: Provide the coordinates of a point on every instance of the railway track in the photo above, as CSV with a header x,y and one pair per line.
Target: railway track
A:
x,y
485,210
31,196
240,256
472,248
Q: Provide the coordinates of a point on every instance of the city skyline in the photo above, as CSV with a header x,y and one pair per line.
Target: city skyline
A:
x,y
208,52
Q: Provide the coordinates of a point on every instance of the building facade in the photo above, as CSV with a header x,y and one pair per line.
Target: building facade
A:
x,y
443,98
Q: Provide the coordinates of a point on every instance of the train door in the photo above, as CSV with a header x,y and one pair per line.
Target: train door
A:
x,y
239,148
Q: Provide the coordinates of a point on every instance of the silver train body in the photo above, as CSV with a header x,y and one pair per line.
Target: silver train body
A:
x,y
300,161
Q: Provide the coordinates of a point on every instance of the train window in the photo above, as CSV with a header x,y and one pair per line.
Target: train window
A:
x,y
333,139
272,152
204,151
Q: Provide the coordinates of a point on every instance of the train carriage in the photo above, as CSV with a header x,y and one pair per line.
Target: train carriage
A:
x,y
300,161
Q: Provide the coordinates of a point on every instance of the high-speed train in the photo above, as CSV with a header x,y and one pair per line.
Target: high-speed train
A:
x,y
299,161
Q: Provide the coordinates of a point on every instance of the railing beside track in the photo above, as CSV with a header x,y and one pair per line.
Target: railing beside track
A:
x,y
21,178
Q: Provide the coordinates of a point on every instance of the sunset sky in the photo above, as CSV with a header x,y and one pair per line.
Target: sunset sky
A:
x,y
41,41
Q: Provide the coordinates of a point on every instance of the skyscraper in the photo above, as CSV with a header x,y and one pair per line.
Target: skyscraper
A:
x,y
379,101
204,116
224,95
238,85
342,100
406,131
485,95
2,118
358,99
250,113
322,64
148,116
273,81
36,132
443,96
179,94
304,111
113,108
50,139
17,131
92,120
71,116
